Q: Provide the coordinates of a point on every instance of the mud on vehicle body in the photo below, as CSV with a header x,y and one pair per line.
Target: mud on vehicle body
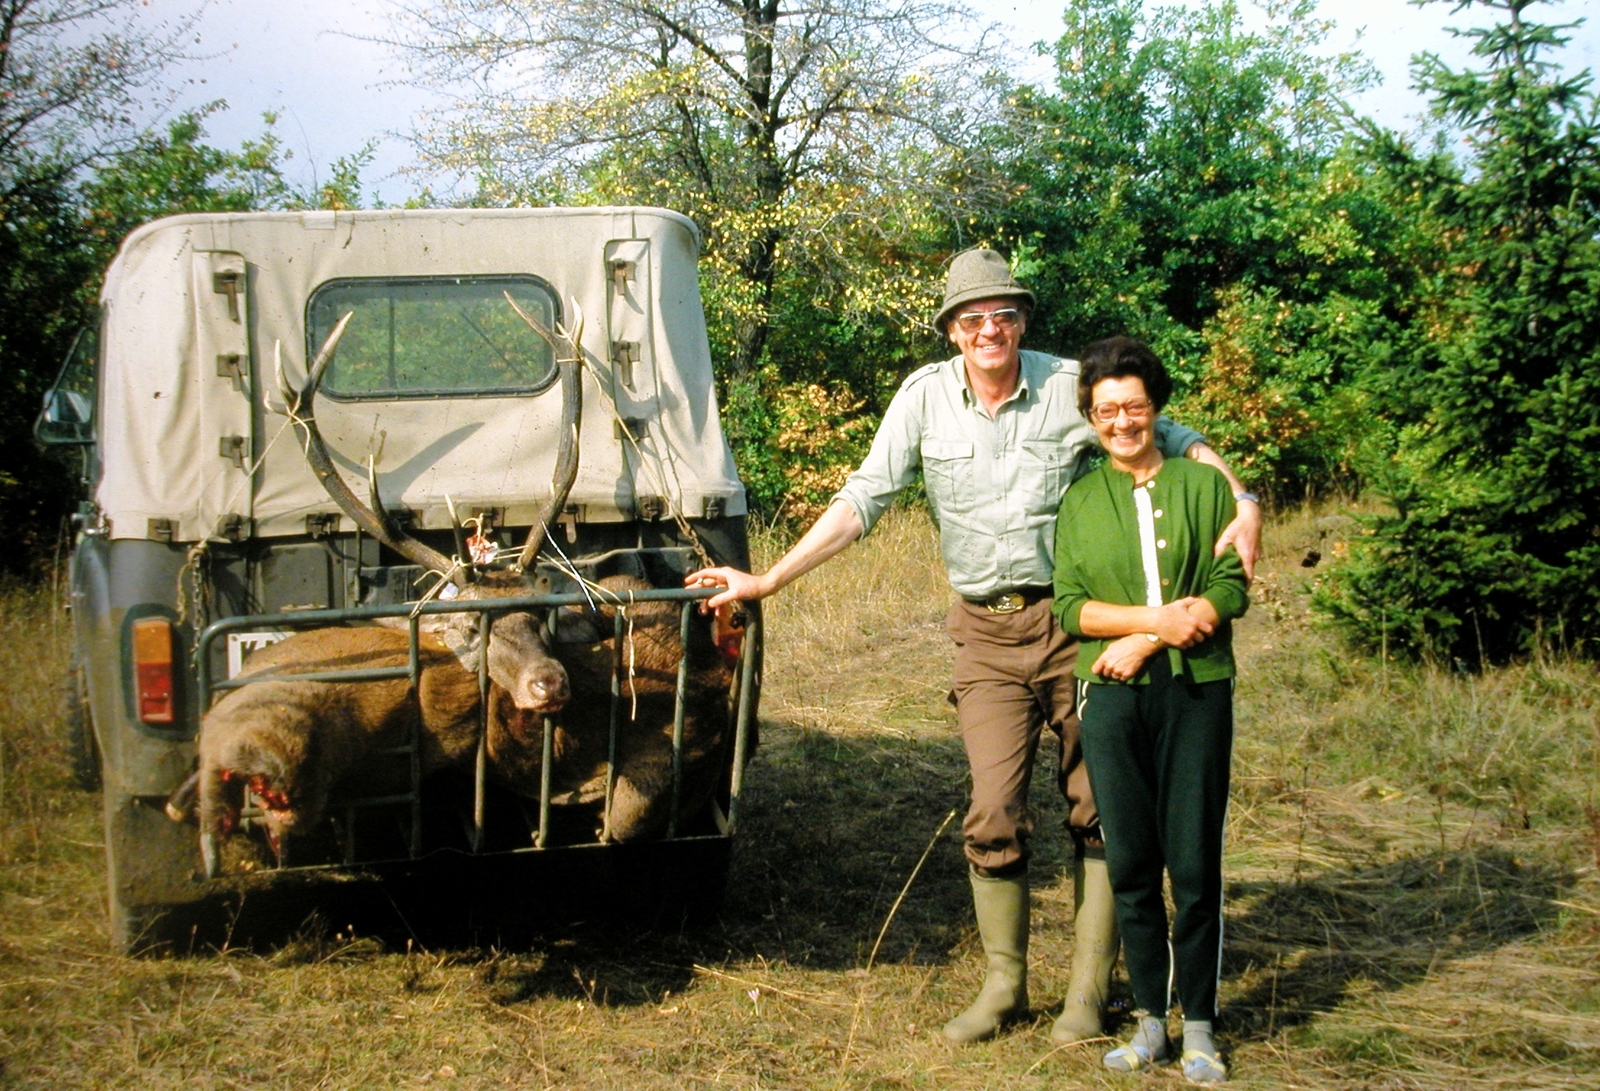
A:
x,y
209,534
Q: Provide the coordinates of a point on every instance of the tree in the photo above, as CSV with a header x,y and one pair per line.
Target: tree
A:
x,y
1493,548
1192,181
72,77
59,226
811,141
79,169
1160,169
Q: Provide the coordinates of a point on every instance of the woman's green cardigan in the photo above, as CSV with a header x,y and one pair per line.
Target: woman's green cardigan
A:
x,y
1098,558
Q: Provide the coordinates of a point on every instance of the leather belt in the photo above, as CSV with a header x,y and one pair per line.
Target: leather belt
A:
x,y
1009,602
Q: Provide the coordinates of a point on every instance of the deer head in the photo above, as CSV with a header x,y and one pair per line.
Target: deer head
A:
x,y
519,659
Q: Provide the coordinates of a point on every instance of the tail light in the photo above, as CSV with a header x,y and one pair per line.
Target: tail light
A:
x,y
152,669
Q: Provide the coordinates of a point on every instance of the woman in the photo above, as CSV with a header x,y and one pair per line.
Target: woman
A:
x,y
1137,581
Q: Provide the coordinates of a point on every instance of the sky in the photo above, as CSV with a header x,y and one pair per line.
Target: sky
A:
x,y
333,92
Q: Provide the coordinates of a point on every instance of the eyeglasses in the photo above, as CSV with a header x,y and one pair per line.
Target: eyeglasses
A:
x,y
1137,409
972,321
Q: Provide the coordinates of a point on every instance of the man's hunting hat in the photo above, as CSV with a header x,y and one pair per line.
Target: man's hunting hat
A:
x,y
978,274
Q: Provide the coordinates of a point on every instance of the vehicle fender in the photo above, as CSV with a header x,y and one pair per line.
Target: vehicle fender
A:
x,y
110,583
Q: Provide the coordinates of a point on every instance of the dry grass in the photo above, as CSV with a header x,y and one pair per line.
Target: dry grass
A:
x,y
1413,894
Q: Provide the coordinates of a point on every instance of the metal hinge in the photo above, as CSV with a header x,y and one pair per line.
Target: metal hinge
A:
x,y
232,528
159,530
230,365
651,508
624,354
621,273
321,525
716,507
232,449
228,283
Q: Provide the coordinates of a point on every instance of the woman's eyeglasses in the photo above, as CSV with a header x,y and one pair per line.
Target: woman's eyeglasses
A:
x,y
1137,409
972,321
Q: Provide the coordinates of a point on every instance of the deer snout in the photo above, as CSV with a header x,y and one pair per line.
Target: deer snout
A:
x,y
543,688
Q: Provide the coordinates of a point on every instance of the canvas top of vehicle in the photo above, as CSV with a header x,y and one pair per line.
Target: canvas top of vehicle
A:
x,y
208,323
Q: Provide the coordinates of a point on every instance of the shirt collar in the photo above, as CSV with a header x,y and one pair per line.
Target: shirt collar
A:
x,y
958,371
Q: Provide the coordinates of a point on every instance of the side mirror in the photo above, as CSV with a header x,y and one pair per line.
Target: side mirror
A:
x,y
67,418
68,413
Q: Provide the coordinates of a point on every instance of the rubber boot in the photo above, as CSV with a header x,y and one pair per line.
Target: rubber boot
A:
x,y
1002,907
1094,952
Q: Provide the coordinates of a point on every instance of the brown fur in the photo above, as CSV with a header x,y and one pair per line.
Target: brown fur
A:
x,y
642,793
290,742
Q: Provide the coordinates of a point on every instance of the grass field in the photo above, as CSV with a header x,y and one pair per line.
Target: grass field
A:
x,y
1413,892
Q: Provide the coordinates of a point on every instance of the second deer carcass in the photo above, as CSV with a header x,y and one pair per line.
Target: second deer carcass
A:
x,y
642,666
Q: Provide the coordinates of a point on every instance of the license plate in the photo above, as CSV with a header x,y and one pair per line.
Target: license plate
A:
x,y
240,645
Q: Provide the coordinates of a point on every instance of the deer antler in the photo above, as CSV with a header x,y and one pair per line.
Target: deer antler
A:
x,y
370,519
566,471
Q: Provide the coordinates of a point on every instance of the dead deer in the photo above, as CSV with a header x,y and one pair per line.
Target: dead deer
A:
x,y
291,740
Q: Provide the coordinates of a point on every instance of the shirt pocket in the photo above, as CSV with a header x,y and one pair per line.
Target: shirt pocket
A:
x,y
947,471
1045,473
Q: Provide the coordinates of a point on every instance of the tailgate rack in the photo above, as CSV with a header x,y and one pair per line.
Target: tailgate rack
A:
x,y
344,810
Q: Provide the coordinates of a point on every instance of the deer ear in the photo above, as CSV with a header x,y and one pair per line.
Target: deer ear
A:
x,y
461,640
575,625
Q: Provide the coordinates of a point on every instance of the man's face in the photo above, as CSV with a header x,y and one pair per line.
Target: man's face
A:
x,y
989,343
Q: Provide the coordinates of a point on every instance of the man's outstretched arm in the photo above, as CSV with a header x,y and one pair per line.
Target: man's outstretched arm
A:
x,y
832,533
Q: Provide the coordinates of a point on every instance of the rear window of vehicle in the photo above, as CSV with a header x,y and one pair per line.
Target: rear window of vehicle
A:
x,y
419,337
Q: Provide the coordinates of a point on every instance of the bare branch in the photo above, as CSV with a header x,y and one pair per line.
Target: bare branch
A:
x,y
72,73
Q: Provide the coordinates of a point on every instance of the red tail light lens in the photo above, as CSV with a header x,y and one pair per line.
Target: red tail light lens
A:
x,y
152,669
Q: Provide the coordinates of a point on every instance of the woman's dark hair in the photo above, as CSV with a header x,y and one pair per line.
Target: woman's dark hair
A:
x,y
1122,358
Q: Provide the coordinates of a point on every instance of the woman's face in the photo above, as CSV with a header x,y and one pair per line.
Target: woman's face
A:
x,y
1124,418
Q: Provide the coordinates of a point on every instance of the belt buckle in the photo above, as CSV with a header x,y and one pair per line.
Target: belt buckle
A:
x,y
1008,603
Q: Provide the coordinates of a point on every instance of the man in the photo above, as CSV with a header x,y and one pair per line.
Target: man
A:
x,y
999,437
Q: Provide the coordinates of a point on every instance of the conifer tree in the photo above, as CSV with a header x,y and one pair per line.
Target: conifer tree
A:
x,y
1493,548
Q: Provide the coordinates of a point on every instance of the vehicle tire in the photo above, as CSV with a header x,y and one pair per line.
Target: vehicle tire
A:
x,y
83,751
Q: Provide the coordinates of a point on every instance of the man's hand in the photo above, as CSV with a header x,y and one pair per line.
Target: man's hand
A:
x,y
833,531
1124,658
741,586
1176,626
1244,534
